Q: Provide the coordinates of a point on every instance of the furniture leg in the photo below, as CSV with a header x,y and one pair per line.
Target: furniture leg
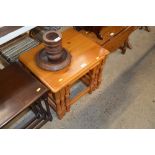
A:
x,y
123,49
126,45
45,111
95,79
35,111
67,94
146,28
62,100
92,78
100,73
97,32
41,109
49,115
58,106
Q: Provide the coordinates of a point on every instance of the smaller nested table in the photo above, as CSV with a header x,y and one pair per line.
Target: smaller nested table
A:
x,y
19,90
86,66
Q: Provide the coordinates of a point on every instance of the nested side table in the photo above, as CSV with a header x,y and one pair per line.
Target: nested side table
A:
x,y
86,66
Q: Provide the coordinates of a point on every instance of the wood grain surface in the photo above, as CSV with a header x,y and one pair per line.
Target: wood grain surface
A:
x,y
18,90
85,54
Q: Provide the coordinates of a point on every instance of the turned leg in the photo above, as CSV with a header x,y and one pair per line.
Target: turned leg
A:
x,y
125,46
100,73
128,44
123,49
146,28
67,94
97,30
58,106
62,100
96,76
92,78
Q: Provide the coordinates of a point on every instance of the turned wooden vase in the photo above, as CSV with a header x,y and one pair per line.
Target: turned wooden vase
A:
x,y
53,57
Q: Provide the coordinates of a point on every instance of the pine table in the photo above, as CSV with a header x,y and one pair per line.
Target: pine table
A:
x,y
86,66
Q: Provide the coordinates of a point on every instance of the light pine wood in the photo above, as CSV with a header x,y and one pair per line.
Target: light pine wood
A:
x,y
85,65
83,51
58,105
67,94
100,73
92,79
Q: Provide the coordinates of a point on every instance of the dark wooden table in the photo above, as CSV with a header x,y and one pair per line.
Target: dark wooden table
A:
x,y
18,91
8,29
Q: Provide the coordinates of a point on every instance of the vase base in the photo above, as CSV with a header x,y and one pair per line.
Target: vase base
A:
x,y
55,65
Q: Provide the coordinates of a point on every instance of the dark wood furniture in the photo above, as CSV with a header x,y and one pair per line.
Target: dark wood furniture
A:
x,y
86,66
95,29
8,29
146,28
113,37
19,90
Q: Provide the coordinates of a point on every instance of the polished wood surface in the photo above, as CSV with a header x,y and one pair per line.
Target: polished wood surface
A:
x,y
95,29
114,37
106,32
85,53
87,57
18,90
119,40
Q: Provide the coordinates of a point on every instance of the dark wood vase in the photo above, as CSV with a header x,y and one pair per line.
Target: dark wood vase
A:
x,y
53,57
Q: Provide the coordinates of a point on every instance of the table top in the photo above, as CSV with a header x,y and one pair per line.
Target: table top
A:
x,y
85,54
18,90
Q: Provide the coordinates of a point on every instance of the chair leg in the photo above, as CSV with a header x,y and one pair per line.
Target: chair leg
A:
x,y
146,28
125,46
128,44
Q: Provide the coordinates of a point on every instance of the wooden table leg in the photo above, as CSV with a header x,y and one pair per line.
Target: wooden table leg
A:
x,y
128,44
125,46
67,94
62,100
146,28
97,76
92,78
100,73
58,106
